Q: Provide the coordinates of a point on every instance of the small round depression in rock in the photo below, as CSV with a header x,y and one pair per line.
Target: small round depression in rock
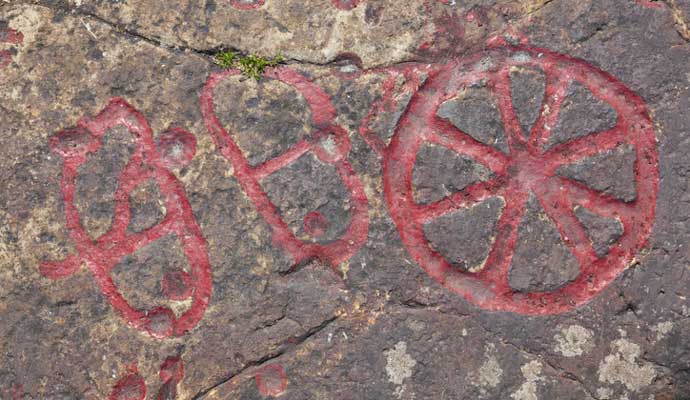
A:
x,y
176,147
333,144
271,380
177,285
316,224
159,322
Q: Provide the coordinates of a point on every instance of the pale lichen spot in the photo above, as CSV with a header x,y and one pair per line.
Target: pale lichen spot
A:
x,y
573,341
399,364
528,390
622,366
604,393
490,372
662,329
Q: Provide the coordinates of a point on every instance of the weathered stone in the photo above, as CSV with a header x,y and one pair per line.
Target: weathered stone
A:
x,y
475,112
527,86
439,172
466,236
602,231
383,321
611,172
542,261
581,114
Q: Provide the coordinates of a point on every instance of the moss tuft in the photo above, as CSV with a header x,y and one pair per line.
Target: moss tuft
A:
x,y
251,65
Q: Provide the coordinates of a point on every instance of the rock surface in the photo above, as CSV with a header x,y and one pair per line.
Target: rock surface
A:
x,y
430,199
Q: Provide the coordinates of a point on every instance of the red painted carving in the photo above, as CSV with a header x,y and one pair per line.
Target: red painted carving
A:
x,y
271,380
129,387
102,254
346,4
651,3
252,4
133,387
527,168
330,143
247,4
5,58
171,373
10,36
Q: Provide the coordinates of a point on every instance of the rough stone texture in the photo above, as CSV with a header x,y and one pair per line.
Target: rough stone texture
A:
x,y
476,113
439,172
611,172
308,185
147,207
581,114
527,86
466,236
260,134
603,232
97,179
376,325
541,261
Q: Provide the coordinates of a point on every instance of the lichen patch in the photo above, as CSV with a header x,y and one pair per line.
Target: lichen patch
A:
x,y
528,391
573,341
622,366
399,364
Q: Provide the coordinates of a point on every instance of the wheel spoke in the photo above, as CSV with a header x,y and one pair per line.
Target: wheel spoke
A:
x,y
586,146
511,124
465,198
560,209
500,256
600,203
446,134
556,88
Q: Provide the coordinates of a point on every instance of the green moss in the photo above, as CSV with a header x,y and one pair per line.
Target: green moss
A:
x,y
226,59
251,65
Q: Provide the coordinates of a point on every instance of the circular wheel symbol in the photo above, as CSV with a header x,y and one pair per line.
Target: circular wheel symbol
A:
x,y
526,168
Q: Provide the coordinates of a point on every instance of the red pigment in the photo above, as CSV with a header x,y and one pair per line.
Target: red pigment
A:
x,y
131,387
329,143
177,285
11,36
315,224
345,4
102,254
246,4
171,373
5,58
271,380
527,168
176,147
651,3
